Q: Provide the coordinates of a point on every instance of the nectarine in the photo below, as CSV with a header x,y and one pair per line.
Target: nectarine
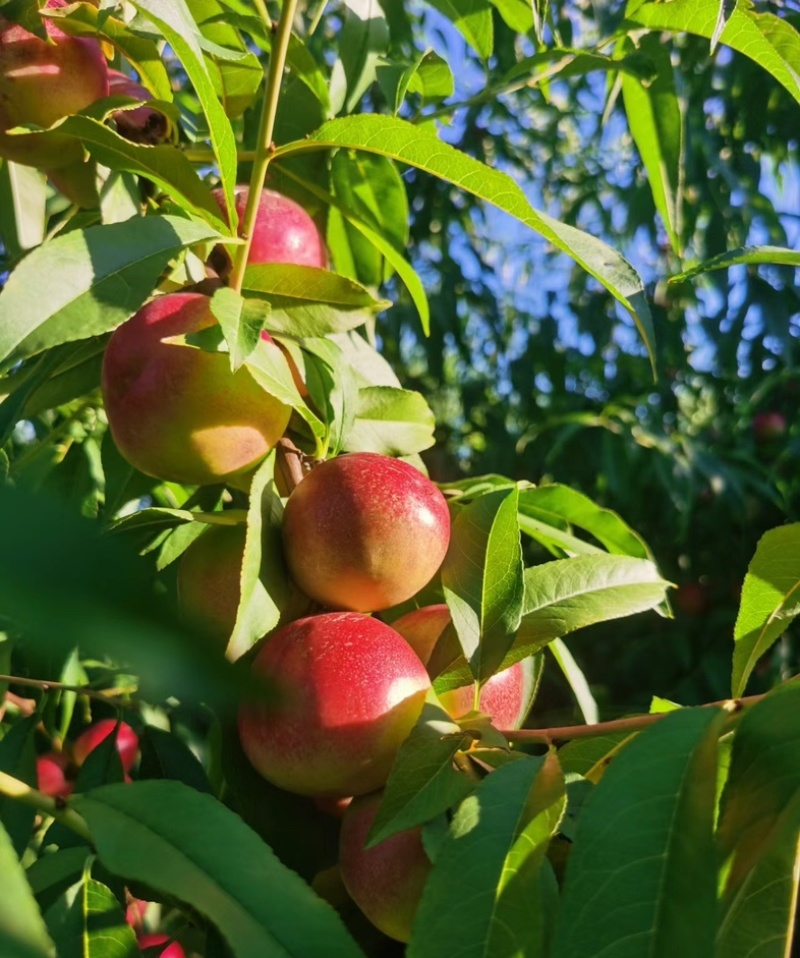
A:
x,y
283,233
386,881
50,776
365,532
209,579
142,124
127,742
176,411
173,950
505,697
41,82
349,691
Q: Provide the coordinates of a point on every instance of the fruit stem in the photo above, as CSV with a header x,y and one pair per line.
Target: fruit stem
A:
x,y
633,724
54,807
264,145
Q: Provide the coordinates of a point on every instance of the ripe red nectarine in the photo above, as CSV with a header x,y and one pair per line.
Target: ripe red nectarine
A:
x,y
50,776
365,532
41,82
176,411
127,742
349,691
153,940
283,233
505,698
386,881
768,426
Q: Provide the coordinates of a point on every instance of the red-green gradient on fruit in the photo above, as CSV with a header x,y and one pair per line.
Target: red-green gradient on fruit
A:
x,y
505,698
349,690
386,881
283,233
127,742
365,532
209,579
176,411
42,81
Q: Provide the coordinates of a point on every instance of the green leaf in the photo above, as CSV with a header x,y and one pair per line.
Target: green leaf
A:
x,y
569,594
88,922
241,329
23,194
102,766
656,124
363,39
726,8
264,580
554,504
305,301
760,919
18,758
763,37
564,62
484,895
175,22
88,282
148,832
52,874
424,781
482,579
642,872
372,189
770,600
391,421
539,8
167,167
745,256
429,76
576,680
22,931
421,148
473,20
763,780
164,755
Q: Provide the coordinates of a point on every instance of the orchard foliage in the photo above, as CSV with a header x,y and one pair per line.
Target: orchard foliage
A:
x,y
185,711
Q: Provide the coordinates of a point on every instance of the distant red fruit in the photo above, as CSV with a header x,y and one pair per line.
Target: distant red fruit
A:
x,y
152,941
692,598
127,742
769,426
50,775
140,125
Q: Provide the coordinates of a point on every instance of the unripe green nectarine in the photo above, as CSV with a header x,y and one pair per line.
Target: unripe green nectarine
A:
x,y
386,881
176,411
349,690
365,532
505,697
209,579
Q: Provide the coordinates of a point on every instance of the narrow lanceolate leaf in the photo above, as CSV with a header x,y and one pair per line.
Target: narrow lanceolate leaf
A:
x,y
305,301
483,899
568,594
240,329
88,282
770,600
482,579
473,19
642,873
557,504
391,421
174,21
264,581
422,149
576,679
363,39
763,780
760,918
725,12
23,195
656,124
746,256
148,832
424,781
771,42
18,758
167,167
22,931
88,922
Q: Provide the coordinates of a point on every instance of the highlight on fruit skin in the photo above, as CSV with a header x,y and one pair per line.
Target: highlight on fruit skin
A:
x,y
365,532
505,697
348,690
387,880
176,411
42,81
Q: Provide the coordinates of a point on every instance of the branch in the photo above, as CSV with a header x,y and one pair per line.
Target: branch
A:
x,y
103,695
54,807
